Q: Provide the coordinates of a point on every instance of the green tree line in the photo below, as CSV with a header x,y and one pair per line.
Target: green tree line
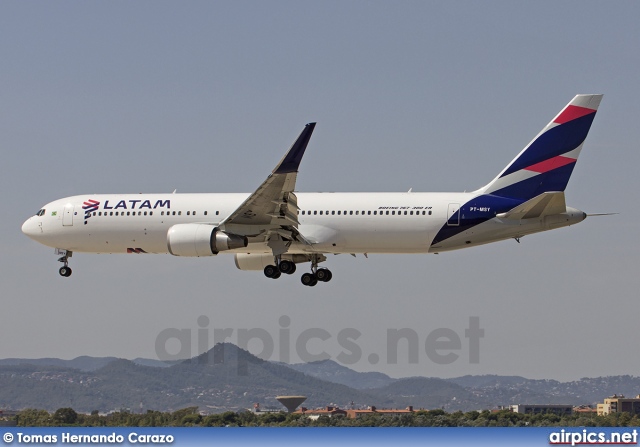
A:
x,y
190,417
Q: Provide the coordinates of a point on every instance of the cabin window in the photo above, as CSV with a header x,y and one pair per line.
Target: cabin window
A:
x,y
375,213
315,212
429,213
321,213
368,213
188,213
179,213
405,213
357,212
205,213
339,212
393,213
110,213
217,212
162,213
128,213
145,213
333,213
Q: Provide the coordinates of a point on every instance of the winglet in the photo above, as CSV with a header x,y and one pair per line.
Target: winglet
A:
x,y
291,160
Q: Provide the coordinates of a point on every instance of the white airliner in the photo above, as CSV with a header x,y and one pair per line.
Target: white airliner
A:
x,y
275,228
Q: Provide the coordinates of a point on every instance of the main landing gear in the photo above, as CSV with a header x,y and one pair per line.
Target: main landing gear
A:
x,y
65,270
289,267
311,279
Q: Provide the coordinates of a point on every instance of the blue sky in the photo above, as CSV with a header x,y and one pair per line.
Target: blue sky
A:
x,y
120,97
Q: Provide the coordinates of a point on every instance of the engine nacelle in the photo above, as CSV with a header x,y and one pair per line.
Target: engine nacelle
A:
x,y
258,261
201,240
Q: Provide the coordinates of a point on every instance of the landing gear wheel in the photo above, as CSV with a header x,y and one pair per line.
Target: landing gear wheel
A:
x,y
309,279
65,270
271,271
287,267
324,275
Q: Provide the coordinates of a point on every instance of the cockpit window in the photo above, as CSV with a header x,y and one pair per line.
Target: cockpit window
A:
x,y
40,213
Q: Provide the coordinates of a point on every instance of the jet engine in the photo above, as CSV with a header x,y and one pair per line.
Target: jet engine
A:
x,y
201,240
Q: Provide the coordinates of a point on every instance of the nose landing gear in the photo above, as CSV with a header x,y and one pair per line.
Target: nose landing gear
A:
x,y
65,270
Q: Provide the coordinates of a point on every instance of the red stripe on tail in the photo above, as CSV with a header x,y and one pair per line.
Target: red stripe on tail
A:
x,y
572,113
550,164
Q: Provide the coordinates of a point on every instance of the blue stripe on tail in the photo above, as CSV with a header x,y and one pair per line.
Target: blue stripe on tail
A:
x,y
557,141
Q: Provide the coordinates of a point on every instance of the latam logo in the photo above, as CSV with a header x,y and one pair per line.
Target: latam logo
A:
x,y
89,207
137,204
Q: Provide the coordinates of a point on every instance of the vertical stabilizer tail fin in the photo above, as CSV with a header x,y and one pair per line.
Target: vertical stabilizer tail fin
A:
x,y
547,162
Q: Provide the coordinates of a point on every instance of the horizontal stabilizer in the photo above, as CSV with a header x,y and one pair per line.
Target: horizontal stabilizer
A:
x,y
545,204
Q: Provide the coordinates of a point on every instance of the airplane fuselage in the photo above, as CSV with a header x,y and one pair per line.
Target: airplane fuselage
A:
x,y
332,222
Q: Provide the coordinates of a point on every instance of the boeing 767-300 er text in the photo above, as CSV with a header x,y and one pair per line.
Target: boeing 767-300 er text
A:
x,y
274,228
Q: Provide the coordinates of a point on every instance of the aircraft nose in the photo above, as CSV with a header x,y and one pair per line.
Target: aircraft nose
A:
x,y
31,228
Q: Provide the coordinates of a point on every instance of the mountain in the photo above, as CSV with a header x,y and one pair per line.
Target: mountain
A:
x,y
83,363
225,378
428,393
513,389
230,378
334,372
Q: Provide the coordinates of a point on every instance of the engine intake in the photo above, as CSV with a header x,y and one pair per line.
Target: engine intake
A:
x,y
201,240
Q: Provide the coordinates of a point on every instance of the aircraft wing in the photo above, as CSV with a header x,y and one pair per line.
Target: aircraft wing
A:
x,y
270,214
544,204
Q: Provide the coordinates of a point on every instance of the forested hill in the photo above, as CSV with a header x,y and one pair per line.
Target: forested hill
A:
x,y
229,378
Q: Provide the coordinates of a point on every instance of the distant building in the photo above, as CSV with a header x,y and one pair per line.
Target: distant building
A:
x,y
541,409
584,409
315,414
619,404
258,409
353,414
